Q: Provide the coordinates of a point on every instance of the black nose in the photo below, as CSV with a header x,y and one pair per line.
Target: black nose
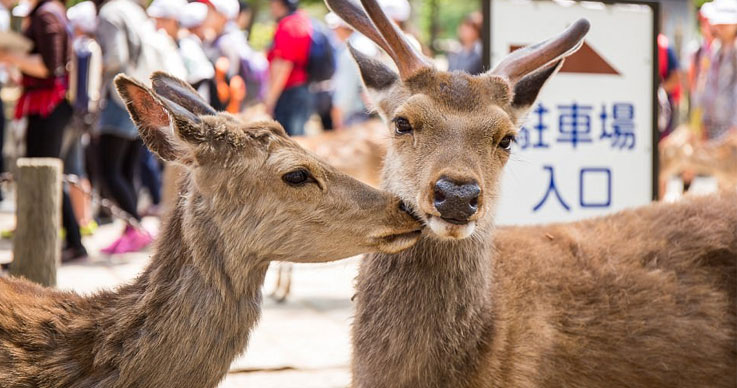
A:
x,y
456,201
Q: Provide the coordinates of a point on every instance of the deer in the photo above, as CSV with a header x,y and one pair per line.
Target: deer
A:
x,y
640,299
681,151
250,196
357,151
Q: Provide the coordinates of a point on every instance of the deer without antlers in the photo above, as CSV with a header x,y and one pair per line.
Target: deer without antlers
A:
x,y
251,195
641,299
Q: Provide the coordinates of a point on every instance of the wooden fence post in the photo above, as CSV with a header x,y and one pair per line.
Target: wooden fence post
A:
x,y
37,246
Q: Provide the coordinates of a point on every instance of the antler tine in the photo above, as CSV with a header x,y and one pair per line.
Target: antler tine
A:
x,y
407,59
526,60
354,15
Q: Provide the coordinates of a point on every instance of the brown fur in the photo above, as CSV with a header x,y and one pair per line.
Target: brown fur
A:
x,y
640,299
682,151
189,314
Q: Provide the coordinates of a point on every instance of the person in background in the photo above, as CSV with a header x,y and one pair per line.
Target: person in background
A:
x,y
288,98
244,18
469,57
235,61
85,83
698,67
200,70
5,6
670,81
122,28
720,94
348,97
400,11
43,102
166,15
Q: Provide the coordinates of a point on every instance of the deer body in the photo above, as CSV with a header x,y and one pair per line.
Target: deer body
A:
x,y
559,305
251,196
640,299
181,323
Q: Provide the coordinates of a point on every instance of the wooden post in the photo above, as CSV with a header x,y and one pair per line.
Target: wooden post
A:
x,y
36,246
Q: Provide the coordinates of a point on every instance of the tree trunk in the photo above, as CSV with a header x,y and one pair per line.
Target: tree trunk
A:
x,y
37,247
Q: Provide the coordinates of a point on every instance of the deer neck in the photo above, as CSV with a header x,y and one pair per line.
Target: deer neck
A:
x,y
185,318
423,315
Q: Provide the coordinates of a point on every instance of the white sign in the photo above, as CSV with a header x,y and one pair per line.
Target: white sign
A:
x,y
586,147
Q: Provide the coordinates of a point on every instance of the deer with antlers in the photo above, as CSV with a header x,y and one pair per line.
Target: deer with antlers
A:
x,y
640,299
251,195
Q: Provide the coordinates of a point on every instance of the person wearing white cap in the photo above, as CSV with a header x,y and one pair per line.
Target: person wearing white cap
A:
x,y
348,97
199,68
720,94
127,37
219,18
85,84
400,11
227,47
166,15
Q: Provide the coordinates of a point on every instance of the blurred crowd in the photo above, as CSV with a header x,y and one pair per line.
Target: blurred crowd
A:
x,y
702,90
64,61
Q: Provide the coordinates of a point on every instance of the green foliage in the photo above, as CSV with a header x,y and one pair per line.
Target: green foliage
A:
x,y
450,14
699,3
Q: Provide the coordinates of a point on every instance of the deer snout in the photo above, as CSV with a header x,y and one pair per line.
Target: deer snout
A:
x,y
456,202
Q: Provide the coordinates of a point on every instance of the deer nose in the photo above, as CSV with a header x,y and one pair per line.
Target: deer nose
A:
x,y
456,201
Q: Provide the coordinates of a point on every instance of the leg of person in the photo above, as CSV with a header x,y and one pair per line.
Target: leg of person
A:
x,y
293,109
74,250
112,151
150,174
44,139
301,109
281,112
134,239
131,168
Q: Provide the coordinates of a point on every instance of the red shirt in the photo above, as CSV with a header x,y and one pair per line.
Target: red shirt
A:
x,y
292,43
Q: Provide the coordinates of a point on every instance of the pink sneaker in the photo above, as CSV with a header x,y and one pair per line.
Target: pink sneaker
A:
x,y
112,248
133,240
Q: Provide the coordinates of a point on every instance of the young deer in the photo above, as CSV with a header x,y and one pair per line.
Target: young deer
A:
x,y
251,196
581,305
682,151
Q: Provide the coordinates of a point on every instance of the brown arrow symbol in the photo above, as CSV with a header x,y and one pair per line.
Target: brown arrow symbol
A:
x,y
585,60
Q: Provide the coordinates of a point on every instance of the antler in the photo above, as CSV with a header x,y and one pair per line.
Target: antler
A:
x,y
382,31
526,60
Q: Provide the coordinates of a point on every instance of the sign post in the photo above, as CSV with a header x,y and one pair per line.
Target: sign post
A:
x,y
588,146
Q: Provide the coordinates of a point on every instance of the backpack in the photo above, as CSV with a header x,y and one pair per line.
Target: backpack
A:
x,y
254,69
321,60
85,76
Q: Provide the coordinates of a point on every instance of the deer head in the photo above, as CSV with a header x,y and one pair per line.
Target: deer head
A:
x,y
267,196
451,132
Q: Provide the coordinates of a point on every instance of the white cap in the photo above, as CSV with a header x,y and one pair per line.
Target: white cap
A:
x,y
22,9
397,10
334,21
720,12
227,8
83,16
166,9
193,15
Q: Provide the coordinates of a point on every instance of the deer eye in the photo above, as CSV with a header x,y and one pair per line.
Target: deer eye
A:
x,y
506,143
402,126
298,177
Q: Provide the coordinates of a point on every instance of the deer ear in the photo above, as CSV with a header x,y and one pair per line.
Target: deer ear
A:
x,y
376,76
154,117
150,116
180,93
528,88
